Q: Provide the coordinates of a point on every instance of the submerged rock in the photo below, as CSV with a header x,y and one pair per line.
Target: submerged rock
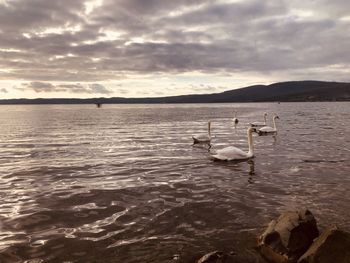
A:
x,y
332,246
288,237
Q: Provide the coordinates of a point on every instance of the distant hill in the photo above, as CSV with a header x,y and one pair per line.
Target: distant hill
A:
x,y
281,91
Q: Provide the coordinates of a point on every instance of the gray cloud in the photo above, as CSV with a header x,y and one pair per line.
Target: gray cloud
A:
x,y
45,87
99,89
57,41
123,91
22,15
206,88
40,87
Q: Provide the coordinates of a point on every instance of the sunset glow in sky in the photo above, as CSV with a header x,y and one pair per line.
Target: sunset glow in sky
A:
x,y
139,48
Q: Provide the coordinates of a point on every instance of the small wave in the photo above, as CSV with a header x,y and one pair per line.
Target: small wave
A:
x,y
324,161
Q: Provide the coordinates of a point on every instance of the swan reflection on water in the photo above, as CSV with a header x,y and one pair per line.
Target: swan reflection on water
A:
x,y
203,145
235,119
238,165
235,126
273,136
251,171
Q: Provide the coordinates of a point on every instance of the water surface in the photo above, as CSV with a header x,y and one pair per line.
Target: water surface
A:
x,y
123,183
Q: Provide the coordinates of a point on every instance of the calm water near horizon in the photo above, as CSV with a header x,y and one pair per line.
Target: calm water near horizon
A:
x,y
123,183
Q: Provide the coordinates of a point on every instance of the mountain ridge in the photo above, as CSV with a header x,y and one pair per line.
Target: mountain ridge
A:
x,y
289,91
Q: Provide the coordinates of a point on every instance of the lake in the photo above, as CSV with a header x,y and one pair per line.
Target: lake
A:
x,y
123,183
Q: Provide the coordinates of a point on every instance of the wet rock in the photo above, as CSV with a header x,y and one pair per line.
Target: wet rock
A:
x,y
217,257
288,237
332,246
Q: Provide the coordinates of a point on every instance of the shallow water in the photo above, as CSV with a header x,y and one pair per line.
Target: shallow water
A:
x,y
124,184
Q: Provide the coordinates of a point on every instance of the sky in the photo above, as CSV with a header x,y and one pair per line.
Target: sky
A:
x,y
152,48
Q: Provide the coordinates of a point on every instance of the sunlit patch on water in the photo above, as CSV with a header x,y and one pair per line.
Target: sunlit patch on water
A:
x,y
124,183
294,169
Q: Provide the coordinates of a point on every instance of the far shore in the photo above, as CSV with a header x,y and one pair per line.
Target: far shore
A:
x,y
291,91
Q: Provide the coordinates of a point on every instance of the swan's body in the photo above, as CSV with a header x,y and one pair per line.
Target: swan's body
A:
x,y
267,129
202,138
257,124
232,153
235,120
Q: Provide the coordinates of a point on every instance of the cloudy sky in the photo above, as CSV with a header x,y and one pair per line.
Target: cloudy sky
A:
x,y
137,48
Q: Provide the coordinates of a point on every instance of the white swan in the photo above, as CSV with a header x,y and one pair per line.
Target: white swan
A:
x,y
267,129
232,153
235,120
203,138
259,124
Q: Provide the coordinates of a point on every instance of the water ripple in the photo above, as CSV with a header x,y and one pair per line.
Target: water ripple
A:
x,y
124,184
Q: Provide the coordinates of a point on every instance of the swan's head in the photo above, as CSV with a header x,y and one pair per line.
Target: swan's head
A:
x,y
254,130
251,130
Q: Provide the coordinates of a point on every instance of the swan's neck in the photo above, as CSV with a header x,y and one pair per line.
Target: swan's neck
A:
x,y
250,144
274,124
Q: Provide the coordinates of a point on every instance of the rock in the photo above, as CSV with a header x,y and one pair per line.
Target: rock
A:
x,y
288,237
216,257
332,246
